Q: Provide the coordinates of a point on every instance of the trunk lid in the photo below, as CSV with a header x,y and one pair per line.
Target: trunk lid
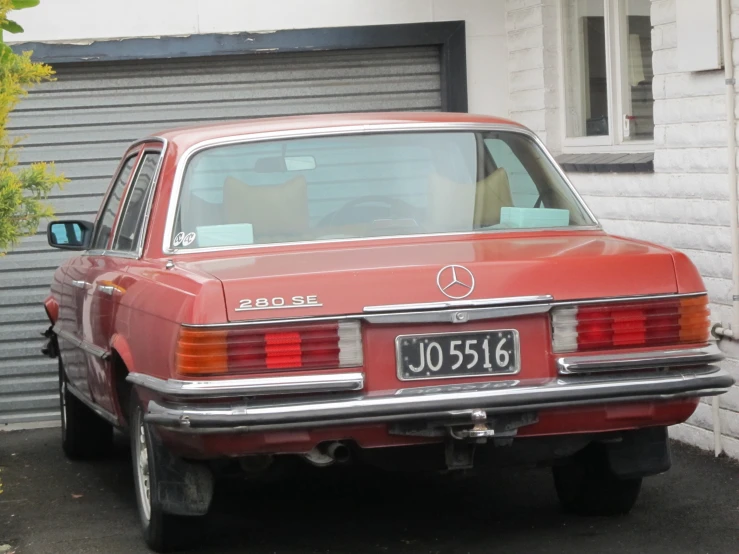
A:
x,y
344,279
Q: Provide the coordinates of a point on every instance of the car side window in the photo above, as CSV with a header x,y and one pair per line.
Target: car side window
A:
x,y
132,217
105,223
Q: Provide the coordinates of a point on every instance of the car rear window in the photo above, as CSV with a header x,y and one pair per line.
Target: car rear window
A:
x,y
360,186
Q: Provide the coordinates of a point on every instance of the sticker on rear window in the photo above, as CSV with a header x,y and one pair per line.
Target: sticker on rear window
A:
x,y
189,239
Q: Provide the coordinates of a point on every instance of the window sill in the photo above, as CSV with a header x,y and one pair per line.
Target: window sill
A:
x,y
635,162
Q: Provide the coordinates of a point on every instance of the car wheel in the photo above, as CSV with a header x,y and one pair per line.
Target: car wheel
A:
x,y
163,532
85,434
586,485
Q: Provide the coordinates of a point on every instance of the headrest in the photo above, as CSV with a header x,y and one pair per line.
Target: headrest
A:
x,y
456,206
270,209
493,193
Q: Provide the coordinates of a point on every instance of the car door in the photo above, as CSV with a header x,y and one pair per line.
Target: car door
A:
x,y
89,317
108,278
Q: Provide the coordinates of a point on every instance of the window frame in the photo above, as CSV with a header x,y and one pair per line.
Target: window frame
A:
x,y
131,154
617,93
123,209
379,128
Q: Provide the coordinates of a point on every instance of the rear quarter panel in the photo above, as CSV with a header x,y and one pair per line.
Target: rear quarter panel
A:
x,y
155,304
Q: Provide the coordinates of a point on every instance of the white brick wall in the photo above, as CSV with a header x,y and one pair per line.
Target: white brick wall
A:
x,y
684,203
533,43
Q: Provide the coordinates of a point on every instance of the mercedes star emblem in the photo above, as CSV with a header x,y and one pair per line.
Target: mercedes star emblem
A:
x,y
456,281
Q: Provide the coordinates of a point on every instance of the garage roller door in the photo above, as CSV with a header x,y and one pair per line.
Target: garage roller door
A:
x,y
85,120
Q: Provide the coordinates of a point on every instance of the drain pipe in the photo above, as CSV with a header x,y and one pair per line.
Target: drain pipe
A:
x,y
732,333
731,123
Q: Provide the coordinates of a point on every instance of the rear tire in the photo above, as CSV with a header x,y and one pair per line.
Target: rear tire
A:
x,y
163,532
85,435
587,486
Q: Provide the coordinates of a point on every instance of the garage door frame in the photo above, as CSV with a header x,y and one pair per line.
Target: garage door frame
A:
x,y
448,36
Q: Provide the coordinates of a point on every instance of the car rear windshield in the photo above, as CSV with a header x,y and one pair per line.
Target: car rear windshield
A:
x,y
370,185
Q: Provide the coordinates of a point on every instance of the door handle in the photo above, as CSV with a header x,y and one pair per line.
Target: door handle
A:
x,y
80,284
107,289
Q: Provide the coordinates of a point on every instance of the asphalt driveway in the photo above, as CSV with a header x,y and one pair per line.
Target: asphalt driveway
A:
x,y
49,506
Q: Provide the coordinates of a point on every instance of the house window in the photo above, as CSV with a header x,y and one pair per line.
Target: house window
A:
x,y
607,72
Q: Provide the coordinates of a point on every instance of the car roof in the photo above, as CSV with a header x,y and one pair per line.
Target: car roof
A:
x,y
186,137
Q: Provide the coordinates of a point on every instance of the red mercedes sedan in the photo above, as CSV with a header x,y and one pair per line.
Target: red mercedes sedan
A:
x,y
416,291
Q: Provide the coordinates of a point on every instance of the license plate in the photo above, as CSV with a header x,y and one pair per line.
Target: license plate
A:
x,y
449,355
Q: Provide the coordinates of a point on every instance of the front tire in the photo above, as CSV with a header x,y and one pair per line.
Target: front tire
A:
x,y
163,532
587,486
85,435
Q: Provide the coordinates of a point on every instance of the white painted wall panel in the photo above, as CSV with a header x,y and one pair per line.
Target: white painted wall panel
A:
x,y
698,35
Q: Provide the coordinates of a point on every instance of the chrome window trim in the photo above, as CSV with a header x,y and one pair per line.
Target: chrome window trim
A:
x,y
427,313
399,363
571,391
631,361
112,254
254,386
147,204
491,232
101,210
139,250
347,131
152,193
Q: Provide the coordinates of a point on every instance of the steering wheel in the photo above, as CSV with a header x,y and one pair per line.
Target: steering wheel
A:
x,y
361,210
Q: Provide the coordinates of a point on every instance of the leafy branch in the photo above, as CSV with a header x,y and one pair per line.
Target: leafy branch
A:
x,y
22,190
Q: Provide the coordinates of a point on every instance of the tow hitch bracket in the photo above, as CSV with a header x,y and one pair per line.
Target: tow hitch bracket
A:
x,y
480,429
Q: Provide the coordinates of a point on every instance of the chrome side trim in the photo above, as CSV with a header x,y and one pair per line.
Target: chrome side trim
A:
x,y
102,412
639,360
611,299
429,316
483,302
81,344
333,382
436,312
455,316
350,130
388,407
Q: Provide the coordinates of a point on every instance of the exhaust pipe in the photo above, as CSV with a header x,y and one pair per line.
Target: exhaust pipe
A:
x,y
338,452
323,456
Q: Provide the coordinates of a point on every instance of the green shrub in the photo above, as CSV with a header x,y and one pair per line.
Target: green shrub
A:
x,y
22,191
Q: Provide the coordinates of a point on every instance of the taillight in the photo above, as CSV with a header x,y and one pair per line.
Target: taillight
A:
x,y
258,349
630,324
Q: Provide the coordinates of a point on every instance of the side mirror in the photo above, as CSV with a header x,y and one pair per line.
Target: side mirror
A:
x,y
70,235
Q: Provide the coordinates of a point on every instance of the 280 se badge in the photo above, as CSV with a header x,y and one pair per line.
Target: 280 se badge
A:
x,y
278,302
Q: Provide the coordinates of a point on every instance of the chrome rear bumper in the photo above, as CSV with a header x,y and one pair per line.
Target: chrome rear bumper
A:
x,y
448,402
